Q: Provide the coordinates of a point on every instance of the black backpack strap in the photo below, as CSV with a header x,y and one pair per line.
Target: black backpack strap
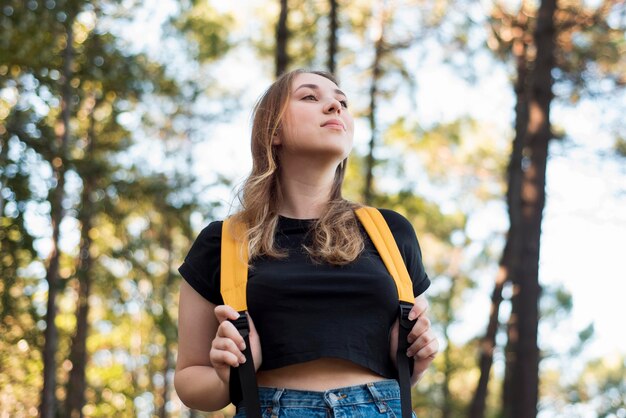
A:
x,y
405,364
246,372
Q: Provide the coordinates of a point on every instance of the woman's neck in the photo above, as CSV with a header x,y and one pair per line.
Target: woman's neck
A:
x,y
305,191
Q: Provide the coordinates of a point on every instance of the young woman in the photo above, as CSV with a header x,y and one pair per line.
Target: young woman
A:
x,y
322,306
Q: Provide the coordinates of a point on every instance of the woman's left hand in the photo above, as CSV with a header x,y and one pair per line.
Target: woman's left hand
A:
x,y
423,345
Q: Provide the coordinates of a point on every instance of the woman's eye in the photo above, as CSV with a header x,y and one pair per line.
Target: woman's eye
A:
x,y
344,103
309,97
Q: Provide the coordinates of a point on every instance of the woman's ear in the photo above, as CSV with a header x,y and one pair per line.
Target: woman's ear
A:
x,y
276,138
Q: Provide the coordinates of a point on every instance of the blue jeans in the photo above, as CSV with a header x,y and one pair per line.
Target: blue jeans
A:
x,y
377,399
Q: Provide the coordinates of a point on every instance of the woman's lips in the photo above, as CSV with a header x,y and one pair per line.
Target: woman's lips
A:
x,y
334,123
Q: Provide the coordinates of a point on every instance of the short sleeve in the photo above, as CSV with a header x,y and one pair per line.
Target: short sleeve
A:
x,y
409,247
201,268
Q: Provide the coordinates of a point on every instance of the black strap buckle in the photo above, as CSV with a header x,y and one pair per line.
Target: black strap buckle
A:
x,y
405,309
241,324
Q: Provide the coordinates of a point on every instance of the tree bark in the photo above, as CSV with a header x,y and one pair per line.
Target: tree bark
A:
x,y
525,301
282,37
373,93
514,194
487,345
76,386
48,405
510,255
78,356
332,37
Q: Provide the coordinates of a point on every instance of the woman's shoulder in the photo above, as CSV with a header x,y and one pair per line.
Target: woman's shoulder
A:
x,y
208,240
211,232
398,223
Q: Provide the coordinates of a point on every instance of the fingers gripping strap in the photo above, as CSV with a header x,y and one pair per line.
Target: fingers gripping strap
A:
x,y
380,234
234,265
245,374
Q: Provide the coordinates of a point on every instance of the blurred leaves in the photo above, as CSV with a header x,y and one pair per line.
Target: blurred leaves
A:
x,y
206,30
130,108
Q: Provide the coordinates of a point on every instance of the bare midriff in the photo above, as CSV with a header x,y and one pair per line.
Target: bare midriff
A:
x,y
317,375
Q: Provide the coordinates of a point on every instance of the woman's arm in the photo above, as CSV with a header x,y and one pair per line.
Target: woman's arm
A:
x,y
196,381
208,345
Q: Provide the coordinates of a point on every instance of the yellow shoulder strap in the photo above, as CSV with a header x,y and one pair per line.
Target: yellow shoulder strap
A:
x,y
234,266
234,263
380,234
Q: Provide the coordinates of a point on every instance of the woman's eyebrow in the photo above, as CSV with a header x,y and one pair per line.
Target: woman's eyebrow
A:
x,y
316,87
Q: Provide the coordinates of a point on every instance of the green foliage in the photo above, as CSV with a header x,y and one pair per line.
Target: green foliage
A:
x,y
591,47
25,49
600,387
206,30
106,84
128,106
556,303
620,146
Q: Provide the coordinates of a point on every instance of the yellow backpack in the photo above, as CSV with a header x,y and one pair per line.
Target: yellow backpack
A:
x,y
234,279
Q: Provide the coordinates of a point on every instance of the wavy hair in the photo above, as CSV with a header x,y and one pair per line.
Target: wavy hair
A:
x,y
336,235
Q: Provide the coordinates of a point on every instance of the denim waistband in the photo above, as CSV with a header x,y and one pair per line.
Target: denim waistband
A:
x,y
371,392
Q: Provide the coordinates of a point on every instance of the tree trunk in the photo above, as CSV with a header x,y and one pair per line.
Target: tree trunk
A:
x,y
78,355
48,397
487,345
376,73
514,196
56,195
78,352
282,36
332,36
525,301
510,255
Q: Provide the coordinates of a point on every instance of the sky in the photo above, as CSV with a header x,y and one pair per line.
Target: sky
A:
x,y
584,228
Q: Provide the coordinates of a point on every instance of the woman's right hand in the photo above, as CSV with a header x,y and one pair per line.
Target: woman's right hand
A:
x,y
228,345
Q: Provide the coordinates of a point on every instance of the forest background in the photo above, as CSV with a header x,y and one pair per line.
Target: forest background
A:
x,y
124,130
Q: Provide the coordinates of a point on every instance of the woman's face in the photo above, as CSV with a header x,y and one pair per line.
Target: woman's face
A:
x,y
316,121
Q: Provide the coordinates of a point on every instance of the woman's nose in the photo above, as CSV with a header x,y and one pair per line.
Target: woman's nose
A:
x,y
332,106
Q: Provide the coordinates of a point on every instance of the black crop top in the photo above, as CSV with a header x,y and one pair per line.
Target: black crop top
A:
x,y
305,311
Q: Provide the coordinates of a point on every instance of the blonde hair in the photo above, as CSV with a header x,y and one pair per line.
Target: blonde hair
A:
x,y
336,235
